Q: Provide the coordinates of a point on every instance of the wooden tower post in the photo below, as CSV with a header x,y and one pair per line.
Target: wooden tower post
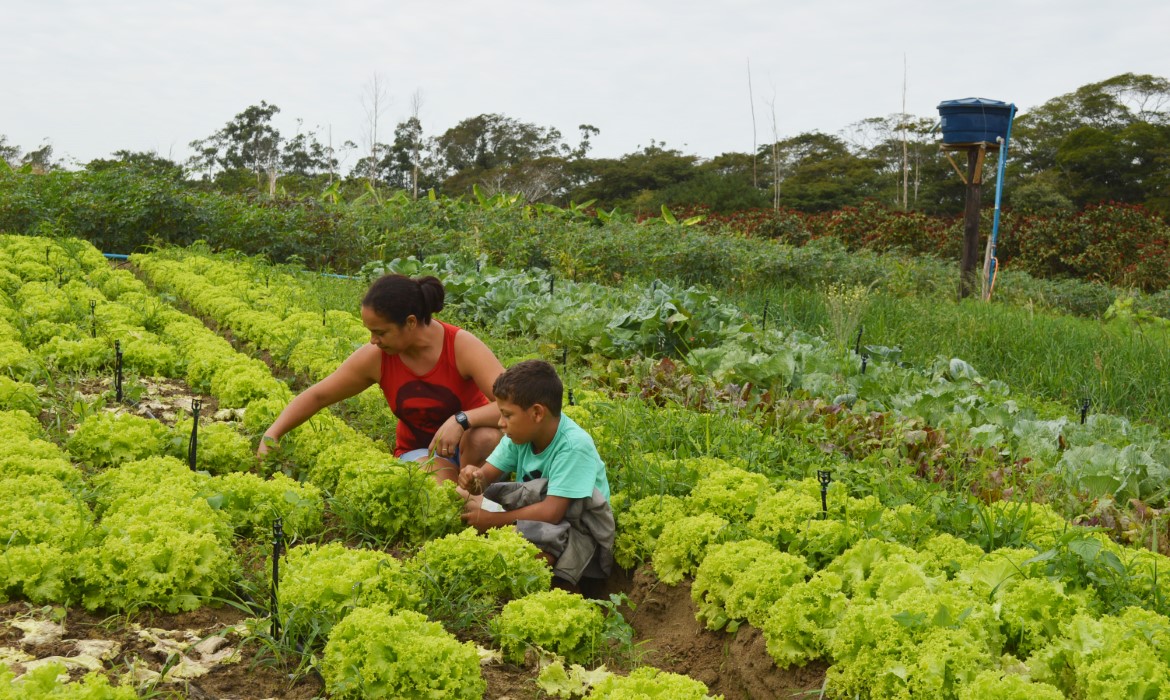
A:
x,y
969,282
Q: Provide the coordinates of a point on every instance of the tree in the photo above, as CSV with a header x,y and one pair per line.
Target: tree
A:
x,y
145,162
248,142
469,152
1104,141
819,173
1109,105
895,142
306,156
41,160
9,152
403,164
619,182
374,103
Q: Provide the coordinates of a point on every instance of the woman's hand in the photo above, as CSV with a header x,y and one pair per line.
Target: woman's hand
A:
x,y
447,439
268,444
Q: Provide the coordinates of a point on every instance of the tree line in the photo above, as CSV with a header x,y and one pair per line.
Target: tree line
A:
x,y
1105,141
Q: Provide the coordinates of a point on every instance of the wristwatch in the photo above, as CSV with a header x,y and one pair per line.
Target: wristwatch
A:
x,y
462,419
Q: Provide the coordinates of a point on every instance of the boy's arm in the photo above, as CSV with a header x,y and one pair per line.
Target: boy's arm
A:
x,y
551,510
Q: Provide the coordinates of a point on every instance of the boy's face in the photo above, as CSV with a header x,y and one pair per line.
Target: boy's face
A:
x,y
520,424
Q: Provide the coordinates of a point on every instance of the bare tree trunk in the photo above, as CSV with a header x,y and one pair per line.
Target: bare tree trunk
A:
x,y
755,148
905,147
775,159
374,102
416,102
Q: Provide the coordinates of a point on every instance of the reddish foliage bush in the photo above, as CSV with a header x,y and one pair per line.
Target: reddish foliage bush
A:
x,y
1117,244
1114,243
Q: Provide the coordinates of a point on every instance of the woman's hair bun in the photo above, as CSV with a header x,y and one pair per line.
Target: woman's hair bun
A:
x,y
433,293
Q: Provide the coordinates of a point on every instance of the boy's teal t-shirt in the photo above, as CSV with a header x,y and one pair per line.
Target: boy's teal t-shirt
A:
x,y
570,462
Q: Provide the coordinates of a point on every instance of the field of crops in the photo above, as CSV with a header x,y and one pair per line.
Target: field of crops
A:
x,y
845,522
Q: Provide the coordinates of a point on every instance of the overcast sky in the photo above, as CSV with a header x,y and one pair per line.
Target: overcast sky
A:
x,y
95,76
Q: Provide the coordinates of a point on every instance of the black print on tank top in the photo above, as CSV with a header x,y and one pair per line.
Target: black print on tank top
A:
x,y
423,407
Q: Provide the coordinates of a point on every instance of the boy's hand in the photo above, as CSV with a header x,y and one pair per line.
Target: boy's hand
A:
x,y
477,517
469,480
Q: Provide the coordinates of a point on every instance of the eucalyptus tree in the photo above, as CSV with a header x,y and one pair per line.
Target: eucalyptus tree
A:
x,y
248,142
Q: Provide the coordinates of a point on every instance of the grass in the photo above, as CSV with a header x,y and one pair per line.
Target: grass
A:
x,y
1120,368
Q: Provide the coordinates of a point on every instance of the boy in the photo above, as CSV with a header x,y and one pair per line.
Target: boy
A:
x,y
560,498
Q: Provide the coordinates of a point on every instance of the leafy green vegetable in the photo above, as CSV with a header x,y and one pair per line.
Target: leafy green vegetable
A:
x,y
107,439
639,526
42,684
221,450
160,554
730,494
498,565
252,503
19,396
741,580
683,544
798,625
321,584
377,653
556,621
648,683
997,685
397,503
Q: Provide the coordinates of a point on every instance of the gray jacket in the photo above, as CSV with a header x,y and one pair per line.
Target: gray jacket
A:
x,y
582,542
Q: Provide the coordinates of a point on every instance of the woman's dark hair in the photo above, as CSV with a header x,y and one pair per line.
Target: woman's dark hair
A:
x,y
396,297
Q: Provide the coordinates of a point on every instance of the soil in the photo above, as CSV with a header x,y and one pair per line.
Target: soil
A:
x,y
736,666
237,678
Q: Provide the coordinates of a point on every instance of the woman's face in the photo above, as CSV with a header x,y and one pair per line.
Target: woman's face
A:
x,y
391,338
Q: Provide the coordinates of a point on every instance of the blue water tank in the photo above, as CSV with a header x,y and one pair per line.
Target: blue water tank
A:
x,y
974,120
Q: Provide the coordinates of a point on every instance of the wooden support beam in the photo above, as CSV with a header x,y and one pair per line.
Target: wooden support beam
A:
x,y
968,280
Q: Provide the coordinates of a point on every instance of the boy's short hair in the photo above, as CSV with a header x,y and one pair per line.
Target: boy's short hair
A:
x,y
531,382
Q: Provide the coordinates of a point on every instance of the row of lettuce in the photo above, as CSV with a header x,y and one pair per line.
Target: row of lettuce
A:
x,y
135,527
900,609
1031,620
1105,457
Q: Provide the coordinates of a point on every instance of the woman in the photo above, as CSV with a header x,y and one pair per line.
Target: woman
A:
x,y
437,379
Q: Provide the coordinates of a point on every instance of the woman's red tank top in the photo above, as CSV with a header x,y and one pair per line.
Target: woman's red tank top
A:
x,y
423,402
